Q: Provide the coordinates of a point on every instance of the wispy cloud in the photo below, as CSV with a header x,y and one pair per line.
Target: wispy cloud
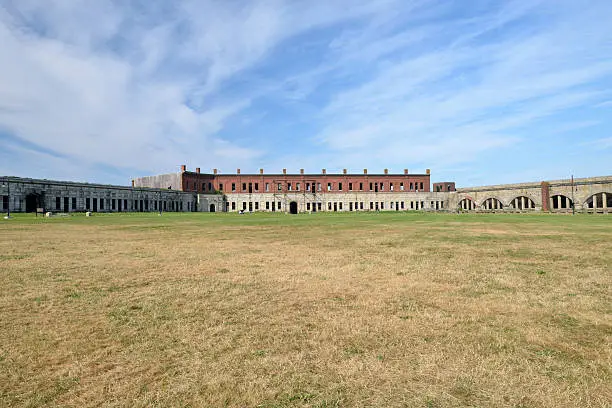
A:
x,y
143,87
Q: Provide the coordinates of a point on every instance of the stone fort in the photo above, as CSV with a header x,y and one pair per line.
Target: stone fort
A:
x,y
194,191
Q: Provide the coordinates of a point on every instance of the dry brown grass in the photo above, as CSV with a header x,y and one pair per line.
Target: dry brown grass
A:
x,y
379,310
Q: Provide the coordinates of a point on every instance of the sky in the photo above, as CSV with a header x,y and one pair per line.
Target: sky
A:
x,y
480,91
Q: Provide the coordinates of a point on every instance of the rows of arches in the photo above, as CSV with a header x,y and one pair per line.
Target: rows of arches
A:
x,y
561,202
601,200
492,204
522,203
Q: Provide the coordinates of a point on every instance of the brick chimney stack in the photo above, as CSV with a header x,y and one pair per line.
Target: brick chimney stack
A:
x,y
323,171
260,171
214,171
284,171
428,171
344,171
302,171
237,171
183,168
198,170
365,171
405,171
386,171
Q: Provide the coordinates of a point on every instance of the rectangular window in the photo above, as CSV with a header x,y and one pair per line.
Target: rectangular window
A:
x,y
371,205
307,186
329,206
203,186
233,205
210,187
361,205
288,186
279,205
402,203
280,187
340,205
233,186
329,186
297,186
339,186
360,186
421,186
180,204
147,205
267,187
382,186
74,203
267,205
350,186
391,186
257,205
221,187
243,205
370,186
243,186
307,206
411,187
382,205
401,186
57,203
319,206
113,204
5,202
319,188
125,204
256,186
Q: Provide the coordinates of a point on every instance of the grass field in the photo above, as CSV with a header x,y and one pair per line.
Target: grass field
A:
x,y
326,310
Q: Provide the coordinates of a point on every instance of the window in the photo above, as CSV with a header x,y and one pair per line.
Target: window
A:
x,y
307,206
319,188
350,186
402,203
329,206
360,186
257,205
402,186
147,205
280,187
87,203
382,205
267,187
154,205
221,186
233,205
279,205
370,186
361,205
74,203
203,186
289,186
339,186
210,187
57,203
391,186
101,203
267,205
297,186
233,186
307,186
319,206
243,186
382,186
329,186
113,204
411,187
371,205
421,186
243,205
340,205
256,186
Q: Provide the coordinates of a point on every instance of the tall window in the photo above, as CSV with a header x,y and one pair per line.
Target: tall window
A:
x,y
243,186
256,186
297,186
391,186
360,186
280,187
402,186
233,189
329,186
339,186
221,186
350,186
267,187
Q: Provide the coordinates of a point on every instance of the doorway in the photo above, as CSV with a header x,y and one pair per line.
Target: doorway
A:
x,y
293,207
212,208
33,202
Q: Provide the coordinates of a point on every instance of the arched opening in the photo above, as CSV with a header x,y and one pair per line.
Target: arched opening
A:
x,y
599,201
293,207
492,204
212,208
561,202
33,201
522,203
467,205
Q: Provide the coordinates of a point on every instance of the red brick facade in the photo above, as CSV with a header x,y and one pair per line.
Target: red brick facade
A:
x,y
322,183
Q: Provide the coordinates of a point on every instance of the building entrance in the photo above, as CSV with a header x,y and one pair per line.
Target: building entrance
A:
x,y
293,207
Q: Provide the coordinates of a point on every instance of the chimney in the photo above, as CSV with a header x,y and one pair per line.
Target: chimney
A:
x,y
344,171
214,171
237,171
260,171
365,171
198,170
386,171
428,171
284,171
133,183
183,168
323,171
301,171
405,171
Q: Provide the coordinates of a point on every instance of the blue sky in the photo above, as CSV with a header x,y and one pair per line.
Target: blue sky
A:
x,y
481,92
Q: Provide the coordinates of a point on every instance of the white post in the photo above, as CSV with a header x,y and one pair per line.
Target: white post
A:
x,y
595,201
567,202
605,201
559,202
522,203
